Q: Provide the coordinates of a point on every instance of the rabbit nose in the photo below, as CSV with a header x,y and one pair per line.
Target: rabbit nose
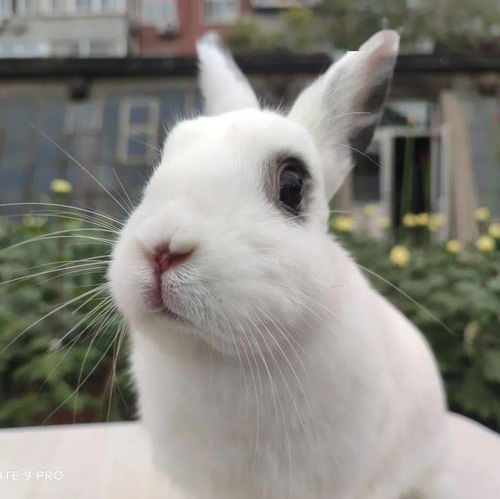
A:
x,y
164,258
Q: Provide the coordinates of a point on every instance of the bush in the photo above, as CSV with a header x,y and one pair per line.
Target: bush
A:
x,y
42,362
296,34
451,292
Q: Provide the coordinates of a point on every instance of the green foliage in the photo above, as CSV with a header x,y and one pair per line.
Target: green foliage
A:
x,y
346,24
42,362
454,299
297,34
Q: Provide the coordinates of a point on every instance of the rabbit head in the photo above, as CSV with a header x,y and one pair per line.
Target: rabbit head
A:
x,y
230,238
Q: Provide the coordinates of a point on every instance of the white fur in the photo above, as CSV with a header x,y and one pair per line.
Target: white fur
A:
x,y
223,84
291,378
331,108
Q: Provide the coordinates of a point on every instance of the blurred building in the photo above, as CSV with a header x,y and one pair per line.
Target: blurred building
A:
x,y
119,28
440,133
171,27
269,12
112,28
65,28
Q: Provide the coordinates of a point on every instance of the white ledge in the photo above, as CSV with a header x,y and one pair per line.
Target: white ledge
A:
x,y
113,460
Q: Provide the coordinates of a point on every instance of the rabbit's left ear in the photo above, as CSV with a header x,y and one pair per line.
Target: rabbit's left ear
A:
x,y
222,83
342,107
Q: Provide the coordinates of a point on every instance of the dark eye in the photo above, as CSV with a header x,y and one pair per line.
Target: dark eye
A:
x,y
291,184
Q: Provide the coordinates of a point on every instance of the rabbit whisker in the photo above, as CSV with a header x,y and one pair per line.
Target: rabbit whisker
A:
x,y
76,162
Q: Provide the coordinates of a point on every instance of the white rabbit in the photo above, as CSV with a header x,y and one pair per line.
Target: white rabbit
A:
x,y
266,365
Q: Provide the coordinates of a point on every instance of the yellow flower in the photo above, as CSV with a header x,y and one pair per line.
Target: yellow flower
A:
x,y
422,219
34,221
494,230
436,220
453,246
400,256
384,223
471,332
60,186
485,244
343,224
482,214
409,220
370,210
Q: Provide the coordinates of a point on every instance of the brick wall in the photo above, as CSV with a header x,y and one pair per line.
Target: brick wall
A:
x,y
191,27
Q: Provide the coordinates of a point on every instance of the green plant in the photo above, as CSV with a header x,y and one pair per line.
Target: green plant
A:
x,y
67,366
297,34
449,290
346,24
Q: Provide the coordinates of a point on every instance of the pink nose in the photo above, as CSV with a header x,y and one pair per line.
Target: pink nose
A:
x,y
165,259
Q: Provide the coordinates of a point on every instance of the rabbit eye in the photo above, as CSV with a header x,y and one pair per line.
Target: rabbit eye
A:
x,y
291,186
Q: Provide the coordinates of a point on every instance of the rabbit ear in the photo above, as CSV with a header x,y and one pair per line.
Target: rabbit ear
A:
x,y
223,85
342,107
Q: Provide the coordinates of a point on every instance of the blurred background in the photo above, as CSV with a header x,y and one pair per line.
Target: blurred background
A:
x,y
90,88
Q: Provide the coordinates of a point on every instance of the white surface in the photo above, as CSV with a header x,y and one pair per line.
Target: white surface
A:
x,y
112,461
472,468
93,461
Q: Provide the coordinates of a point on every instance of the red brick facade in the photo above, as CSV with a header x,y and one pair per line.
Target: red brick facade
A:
x,y
191,26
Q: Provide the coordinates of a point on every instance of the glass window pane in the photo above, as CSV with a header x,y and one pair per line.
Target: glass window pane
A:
x,y
82,5
55,6
138,129
159,13
65,48
84,117
26,7
98,48
220,11
137,146
366,176
5,8
139,115
113,5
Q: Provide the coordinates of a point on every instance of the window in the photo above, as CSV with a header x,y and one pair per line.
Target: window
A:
x,y
82,6
84,48
27,7
54,6
102,48
162,14
75,7
413,112
366,174
113,5
83,117
5,9
23,49
65,48
138,130
221,11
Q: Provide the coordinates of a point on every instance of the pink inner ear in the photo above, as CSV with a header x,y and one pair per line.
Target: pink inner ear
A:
x,y
382,51
384,43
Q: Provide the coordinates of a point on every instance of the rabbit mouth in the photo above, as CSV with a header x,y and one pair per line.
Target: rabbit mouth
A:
x,y
154,299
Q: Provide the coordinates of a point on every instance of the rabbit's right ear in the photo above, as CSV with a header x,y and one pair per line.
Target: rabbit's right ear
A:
x,y
342,107
223,85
